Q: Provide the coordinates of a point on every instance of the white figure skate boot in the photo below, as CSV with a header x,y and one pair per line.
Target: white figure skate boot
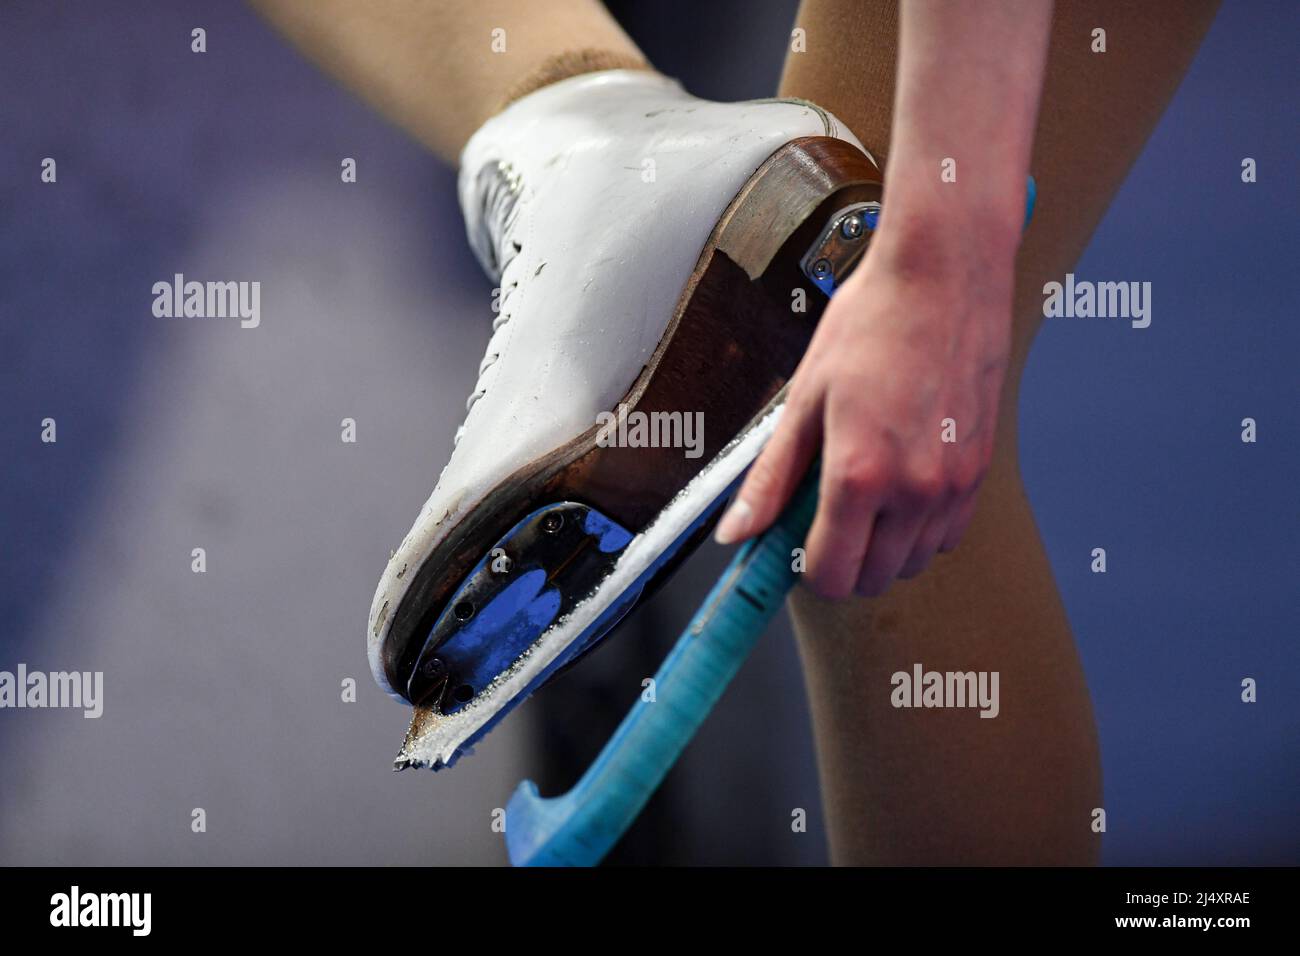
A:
x,y
648,247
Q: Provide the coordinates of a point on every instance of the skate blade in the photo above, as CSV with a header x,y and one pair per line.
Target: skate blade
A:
x,y
438,737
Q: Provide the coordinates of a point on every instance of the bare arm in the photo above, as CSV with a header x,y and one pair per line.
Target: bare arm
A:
x,y
969,80
920,334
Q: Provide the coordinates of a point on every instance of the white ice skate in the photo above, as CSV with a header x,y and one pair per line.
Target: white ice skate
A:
x,y
653,253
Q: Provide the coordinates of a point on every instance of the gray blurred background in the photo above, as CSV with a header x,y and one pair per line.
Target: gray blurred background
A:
x,y
223,688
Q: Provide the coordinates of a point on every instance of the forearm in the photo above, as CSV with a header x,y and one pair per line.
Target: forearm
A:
x,y
969,80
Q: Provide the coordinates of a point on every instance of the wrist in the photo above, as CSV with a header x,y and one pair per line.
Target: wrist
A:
x,y
932,229
988,209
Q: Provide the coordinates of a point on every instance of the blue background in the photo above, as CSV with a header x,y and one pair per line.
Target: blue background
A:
x,y
223,689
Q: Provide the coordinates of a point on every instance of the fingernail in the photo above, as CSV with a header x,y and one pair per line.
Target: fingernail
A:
x,y
735,523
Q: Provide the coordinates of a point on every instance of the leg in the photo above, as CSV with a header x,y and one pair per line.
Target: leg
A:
x,y
440,70
939,786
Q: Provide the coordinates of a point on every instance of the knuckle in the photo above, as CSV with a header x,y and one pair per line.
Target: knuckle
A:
x,y
862,477
927,481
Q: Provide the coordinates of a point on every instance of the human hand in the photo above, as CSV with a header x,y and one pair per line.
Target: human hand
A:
x,y
899,390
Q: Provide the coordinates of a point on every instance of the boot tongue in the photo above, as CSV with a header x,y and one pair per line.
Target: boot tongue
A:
x,y
497,188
